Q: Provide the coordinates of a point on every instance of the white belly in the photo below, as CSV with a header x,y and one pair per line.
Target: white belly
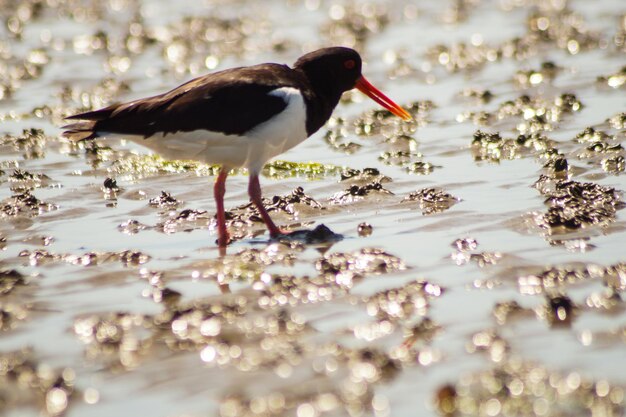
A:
x,y
251,151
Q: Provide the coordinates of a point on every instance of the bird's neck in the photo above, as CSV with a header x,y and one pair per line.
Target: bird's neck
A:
x,y
323,100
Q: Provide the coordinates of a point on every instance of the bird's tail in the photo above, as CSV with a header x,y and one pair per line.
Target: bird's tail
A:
x,y
84,130
88,126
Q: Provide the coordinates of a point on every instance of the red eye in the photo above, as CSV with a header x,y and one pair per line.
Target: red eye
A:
x,y
349,64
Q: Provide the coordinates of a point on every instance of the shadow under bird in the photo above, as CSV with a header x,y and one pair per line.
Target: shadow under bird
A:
x,y
239,117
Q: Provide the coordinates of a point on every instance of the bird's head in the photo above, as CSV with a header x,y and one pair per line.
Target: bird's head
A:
x,y
338,69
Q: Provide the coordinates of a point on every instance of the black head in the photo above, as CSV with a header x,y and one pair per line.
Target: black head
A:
x,y
331,70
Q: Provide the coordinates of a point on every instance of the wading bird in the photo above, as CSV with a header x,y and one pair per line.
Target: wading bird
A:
x,y
239,117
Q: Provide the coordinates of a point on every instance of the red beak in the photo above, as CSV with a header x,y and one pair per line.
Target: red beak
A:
x,y
375,94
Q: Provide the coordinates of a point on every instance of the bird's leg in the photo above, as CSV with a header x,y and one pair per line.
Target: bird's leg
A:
x,y
218,191
254,190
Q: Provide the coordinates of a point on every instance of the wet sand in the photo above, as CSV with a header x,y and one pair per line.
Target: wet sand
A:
x,y
482,267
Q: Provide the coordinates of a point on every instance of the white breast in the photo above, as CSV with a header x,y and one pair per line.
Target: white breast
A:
x,y
283,131
252,150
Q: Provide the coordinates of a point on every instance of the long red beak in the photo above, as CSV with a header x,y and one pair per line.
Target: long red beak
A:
x,y
375,94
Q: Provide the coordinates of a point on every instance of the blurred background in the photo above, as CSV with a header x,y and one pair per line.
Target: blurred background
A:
x,y
482,267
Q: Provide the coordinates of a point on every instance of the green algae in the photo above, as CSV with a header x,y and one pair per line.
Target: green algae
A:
x,y
310,170
151,164
146,165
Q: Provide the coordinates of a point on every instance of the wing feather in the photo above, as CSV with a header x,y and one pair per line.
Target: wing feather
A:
x,y
230,102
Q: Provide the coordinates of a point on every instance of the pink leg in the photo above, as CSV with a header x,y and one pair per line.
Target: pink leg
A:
x,y
254,190
218,191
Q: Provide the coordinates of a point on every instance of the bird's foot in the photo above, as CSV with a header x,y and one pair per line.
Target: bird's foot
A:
x,y
278,233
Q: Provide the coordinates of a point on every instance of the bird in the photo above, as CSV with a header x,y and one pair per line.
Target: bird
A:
x,y
237,117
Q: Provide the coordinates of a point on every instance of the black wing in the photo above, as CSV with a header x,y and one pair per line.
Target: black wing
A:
x,y
231,102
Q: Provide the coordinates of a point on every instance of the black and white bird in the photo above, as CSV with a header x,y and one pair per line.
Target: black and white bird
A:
x,y
239,117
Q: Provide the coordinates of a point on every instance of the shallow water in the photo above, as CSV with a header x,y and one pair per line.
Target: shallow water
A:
x,y
318,359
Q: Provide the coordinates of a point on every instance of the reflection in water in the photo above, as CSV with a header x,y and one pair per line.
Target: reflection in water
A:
x,y
373,317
